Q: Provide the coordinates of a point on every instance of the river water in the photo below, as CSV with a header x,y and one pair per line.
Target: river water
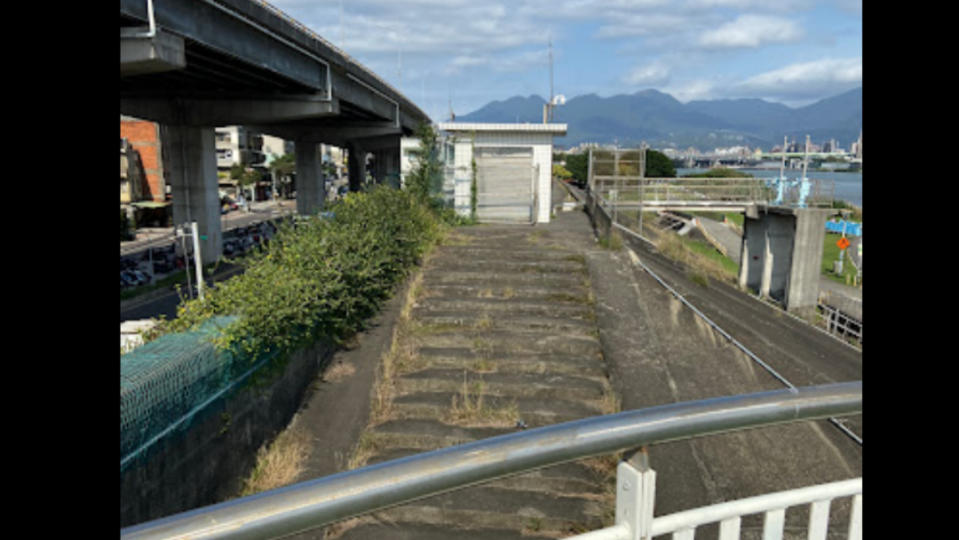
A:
x,y
848,185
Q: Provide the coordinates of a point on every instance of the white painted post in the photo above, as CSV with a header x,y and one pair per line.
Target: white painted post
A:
x,y
773,524
635,495
729,529
818,520
197,259
855,518
181,233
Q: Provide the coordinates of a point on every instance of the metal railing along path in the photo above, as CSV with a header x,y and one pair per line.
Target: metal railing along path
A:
x,y
323,501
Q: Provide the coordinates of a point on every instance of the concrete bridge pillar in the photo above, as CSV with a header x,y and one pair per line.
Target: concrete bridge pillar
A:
x,y
782,254
310,187
356,165
189,162
386,166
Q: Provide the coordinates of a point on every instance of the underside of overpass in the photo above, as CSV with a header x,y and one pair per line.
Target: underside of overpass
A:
x,y
194,65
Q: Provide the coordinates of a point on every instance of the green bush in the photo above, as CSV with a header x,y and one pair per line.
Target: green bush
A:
x,y
318,278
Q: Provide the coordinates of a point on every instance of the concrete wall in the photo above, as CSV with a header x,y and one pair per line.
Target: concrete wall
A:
x,y
782,254
768,239
462,175
206,463
752,254
802,294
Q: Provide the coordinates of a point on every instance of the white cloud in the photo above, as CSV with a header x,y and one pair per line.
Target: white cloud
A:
x,y
652,74
632,24
427,26
765,5
467,60
692,90
752,31
805,80
829,70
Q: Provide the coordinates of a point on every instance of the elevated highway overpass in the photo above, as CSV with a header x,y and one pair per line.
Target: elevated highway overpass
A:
x,y
193,65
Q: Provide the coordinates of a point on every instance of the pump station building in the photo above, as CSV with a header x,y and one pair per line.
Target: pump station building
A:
x,y
514,164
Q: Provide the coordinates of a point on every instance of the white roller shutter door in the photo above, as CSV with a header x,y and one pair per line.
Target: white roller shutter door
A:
x,y
505,184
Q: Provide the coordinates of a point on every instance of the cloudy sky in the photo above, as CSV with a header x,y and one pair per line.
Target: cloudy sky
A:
x,y
472,52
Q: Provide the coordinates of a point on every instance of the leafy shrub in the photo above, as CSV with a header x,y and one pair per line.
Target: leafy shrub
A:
x,y
319,277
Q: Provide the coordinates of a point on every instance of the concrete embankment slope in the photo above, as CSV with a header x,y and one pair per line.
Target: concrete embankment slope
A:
x,y
527,326
660,351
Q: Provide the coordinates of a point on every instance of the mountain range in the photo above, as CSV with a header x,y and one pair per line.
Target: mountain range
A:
x,y
664,122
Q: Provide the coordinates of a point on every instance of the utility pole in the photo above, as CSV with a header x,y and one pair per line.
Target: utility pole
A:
x,y
782,166
192,230
180,230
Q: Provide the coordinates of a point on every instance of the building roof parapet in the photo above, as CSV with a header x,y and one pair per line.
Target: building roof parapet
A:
x,y
555,129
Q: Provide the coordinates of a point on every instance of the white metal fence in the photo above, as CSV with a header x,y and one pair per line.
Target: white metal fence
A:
x,y
636,495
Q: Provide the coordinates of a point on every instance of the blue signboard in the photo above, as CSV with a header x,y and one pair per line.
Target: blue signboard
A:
x,y
852,228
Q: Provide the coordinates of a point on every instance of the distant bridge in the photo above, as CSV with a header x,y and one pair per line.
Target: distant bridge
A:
x,y
617,178
747,160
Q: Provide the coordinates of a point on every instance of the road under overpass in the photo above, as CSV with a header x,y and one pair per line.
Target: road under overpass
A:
x,y
192,65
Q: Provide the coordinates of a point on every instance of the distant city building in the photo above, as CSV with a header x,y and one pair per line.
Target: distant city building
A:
x,y
237,145
144,192
274,147
143,136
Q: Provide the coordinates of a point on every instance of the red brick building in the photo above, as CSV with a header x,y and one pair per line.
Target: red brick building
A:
x,y
144,136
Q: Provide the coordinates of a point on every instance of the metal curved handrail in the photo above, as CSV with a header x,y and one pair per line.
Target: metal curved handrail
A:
x,y
322,501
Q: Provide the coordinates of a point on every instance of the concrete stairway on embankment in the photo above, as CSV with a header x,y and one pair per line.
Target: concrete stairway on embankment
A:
x,y
499,335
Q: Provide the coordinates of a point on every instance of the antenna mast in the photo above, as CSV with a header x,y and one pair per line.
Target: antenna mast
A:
x,y
551,79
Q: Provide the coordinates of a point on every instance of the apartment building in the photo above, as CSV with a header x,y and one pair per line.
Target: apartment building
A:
x,y
237,145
